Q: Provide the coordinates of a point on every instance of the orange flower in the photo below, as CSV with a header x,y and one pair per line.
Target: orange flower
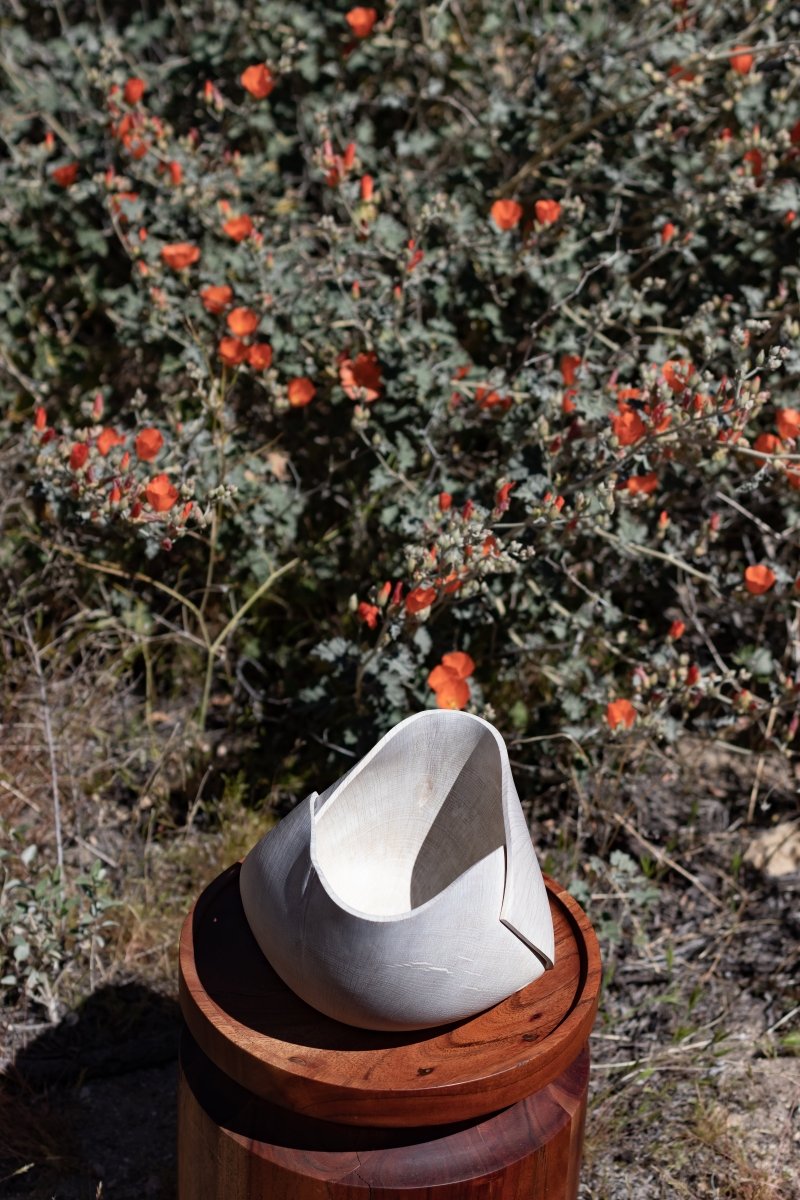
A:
x,y
449,679
506,213
216,298
148,444
259,356
107,440
420,598
628,426
768,443
301,391
78,455
257,80
458,661
175,172
361,21
361,377
445,501
788,422
134,90
547,211
242,322
40,418
758,579
620,712
677,372
368,613
160,493
676,630
741,60
642,485
440,676
65,176
232,351
668,231
366,188
238,228
452,693
180,255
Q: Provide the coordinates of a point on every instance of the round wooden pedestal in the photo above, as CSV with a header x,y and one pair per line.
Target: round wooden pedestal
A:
x,y
278,1102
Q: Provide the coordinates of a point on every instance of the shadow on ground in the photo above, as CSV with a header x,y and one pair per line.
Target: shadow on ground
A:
x,y
89,1107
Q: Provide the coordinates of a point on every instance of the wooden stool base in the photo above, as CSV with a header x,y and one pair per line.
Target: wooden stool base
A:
x,y
234,1145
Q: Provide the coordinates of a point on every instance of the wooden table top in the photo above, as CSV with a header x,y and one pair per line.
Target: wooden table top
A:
x,y
260,1034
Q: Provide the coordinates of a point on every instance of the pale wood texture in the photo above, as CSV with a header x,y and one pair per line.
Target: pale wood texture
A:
x,y
263,1037
407,894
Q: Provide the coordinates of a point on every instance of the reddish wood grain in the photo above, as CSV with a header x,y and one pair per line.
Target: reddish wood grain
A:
x,y
263,1037
236,1146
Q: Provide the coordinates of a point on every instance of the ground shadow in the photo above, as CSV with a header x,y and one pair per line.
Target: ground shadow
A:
x,y
88,1108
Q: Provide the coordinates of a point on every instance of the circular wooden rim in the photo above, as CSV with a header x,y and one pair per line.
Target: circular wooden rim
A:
x,y
481,1064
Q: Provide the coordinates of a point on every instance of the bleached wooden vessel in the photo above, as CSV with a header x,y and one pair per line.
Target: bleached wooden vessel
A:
x,y
407,894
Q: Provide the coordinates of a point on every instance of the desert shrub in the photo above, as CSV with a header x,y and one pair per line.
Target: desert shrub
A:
x,y
350,344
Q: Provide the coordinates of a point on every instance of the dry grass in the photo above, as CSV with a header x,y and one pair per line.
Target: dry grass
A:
x,y
693,1084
